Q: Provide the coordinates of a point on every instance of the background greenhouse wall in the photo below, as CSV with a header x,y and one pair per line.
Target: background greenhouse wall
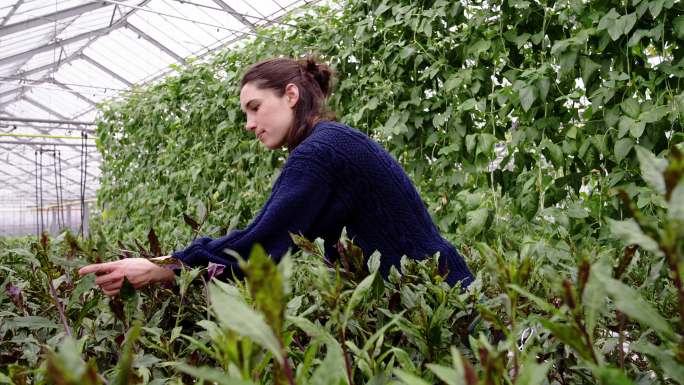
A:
x,y
20,217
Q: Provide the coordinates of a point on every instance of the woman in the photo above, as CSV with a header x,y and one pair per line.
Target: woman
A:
x,y
334,177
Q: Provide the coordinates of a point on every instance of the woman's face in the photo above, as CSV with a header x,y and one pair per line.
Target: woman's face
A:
x,y
269,116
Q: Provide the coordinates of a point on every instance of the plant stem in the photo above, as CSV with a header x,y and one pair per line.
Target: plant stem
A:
x,y
287,371
58,303
621,324
347,364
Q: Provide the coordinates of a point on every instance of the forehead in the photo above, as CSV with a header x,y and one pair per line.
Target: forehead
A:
x,y
251,92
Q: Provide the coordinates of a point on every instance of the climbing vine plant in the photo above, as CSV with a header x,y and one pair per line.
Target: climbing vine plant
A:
x,y
528,99
545,138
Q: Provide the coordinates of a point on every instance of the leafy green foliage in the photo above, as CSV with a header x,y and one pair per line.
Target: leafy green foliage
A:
x,y
545,138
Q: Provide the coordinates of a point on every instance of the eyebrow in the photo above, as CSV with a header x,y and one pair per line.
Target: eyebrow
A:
x,y
250,104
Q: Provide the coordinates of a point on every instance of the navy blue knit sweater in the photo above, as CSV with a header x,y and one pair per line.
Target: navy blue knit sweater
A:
x,y
338,177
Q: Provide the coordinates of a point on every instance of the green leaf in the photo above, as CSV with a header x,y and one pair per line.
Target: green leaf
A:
x,y
408,378
608,19
654,114
124,368
567,60
630,302
627,124
664,358
532,373
678,26
359,294
575,210
630,107
449,375
612,376
630,233
527,97
476,220
637,36
555,152
452,82
617,28
478,47
652,169
676,203
655,6
210,374
31,322
266,287
622,148
332,368
628,22
543,85
569,335
541,303
234,314
588,67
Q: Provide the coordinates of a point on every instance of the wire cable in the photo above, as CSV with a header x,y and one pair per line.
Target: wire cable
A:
x,y
36,179
42,220
61,188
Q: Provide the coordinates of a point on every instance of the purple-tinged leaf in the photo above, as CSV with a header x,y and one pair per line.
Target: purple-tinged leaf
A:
x,y
215,269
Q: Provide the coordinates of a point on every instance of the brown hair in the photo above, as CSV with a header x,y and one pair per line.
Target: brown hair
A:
x,y
313,81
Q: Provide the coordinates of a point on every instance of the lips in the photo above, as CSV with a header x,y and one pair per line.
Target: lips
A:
x,y
260,135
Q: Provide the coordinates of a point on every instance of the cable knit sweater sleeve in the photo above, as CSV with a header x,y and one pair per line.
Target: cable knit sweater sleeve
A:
x,y
299,198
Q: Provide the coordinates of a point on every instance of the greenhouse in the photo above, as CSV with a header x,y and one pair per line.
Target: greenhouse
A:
x,y
342,192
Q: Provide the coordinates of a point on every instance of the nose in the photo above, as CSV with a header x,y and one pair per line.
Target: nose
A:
x,y
250,125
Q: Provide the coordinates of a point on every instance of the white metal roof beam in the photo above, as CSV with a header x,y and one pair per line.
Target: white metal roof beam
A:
x,y
47,66
45,131
92,34
58,44
9,92
235,14
153,41
52,17
105,69
11,12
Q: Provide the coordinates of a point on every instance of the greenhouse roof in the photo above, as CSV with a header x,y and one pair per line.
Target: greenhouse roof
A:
x,y
58,59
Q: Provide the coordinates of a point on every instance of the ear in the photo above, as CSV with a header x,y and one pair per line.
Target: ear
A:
x,y
292,94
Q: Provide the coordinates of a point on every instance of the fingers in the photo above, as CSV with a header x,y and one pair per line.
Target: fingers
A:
x,y
112,287
112,292
109,278
97,268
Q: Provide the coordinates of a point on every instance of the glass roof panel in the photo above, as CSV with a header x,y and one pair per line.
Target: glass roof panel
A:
x,y
170,29
90,21
19,42
140,60
88,116
6,98
8,68
24,108
5,8
58,99
81,74
53,56
30,9
248,9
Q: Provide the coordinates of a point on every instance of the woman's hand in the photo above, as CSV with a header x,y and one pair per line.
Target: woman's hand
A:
x,y
139,272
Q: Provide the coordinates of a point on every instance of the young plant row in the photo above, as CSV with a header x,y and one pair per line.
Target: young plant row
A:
x,y
546,307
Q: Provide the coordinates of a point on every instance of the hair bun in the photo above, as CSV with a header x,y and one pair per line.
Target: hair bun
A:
x,y
322,73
